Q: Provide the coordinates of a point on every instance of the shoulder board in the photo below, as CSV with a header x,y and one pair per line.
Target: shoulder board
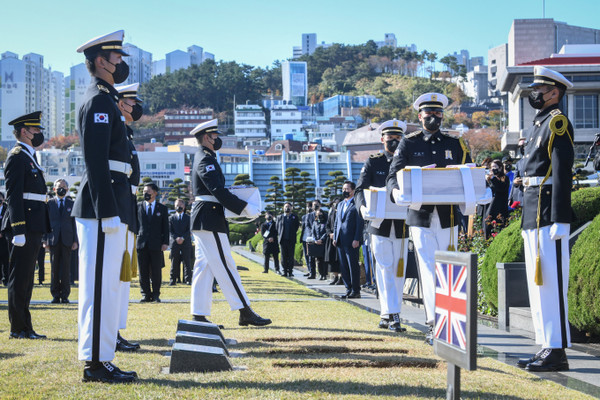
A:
x,y
559,123
376,155
413,134
207,153
15,150
555,112
103,88
445,133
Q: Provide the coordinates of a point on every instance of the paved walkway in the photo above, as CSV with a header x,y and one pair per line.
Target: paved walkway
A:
x,y
508,347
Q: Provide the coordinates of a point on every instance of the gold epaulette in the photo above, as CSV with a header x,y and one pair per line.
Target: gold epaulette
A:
x,y
17,223
559,123
103,88
413,134
376,155
15,150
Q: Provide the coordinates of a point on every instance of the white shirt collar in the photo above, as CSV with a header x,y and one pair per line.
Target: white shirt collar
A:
x,y
30,149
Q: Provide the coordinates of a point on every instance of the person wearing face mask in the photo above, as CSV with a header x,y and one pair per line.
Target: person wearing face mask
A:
x,y
62,240
389,238
211,232
25,221
130,106
319,233
103,209
181,244
497,211
515,198
268,230
287,225
547,215
307,222
432,227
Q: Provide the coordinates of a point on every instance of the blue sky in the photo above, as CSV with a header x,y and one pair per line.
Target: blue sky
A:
x,y
259,32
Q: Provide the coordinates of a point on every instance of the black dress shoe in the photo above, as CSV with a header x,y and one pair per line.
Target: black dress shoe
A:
x,y
127,342
32,335
122,346
157,299
249,317
171,283
18,335
340,282
202,318
550,360
146,299
429,336
55,300
266,271
394,323
312,277
105,372
345,296
384,323
306,275
65,300
354,296
522,363
335,280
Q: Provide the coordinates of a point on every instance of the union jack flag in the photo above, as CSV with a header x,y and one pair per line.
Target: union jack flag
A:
x,y
451,304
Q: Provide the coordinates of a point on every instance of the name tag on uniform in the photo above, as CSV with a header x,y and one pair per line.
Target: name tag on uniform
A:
x,y
210,168
448,154
101,118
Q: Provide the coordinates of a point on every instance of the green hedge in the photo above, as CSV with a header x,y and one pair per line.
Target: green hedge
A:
x,y
507,246
255,242
584,280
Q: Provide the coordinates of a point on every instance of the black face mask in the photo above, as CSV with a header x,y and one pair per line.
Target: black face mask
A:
x,y
217,144
61,191
495,171
136,112
322,219
287,210
38,139
269,218
345,194
432,123
179,209
536,99
316,208
121,71
508,167
147,196
391,145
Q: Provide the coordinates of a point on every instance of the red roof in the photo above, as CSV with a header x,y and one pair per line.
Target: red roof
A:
x,y
565,61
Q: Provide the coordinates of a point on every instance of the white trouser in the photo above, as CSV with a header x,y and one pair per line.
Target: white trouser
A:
x,y
214,261
549,314
427,241
99,289
387,252
125,286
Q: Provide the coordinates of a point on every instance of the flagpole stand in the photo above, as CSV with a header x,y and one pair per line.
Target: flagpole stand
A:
x,y
453,384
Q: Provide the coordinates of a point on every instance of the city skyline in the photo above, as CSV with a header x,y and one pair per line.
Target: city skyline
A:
x,y
266,34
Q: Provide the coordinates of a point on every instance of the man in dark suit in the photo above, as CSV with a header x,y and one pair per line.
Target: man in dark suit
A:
x,y
61,240
268,230
26,221
181,244
3,245
287,225
348,234
308,220
153,239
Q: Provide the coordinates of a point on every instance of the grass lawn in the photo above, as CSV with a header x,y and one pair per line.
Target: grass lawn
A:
x,y
316,348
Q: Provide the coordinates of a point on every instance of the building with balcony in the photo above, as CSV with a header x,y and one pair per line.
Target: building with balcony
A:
x,y
250,121
179,123
286,120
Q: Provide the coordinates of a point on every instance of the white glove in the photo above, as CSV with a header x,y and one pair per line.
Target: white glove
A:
x,y
559,230
19,240
396,195
250,211
110,225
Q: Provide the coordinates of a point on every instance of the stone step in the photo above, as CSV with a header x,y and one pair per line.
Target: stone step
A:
x,y
187,357
184,325
203,339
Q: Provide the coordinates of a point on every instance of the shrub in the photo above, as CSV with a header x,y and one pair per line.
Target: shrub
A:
x,y
586,205
584,280
241,231
255,242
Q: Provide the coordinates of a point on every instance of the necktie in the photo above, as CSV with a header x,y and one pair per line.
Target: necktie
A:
x,y
60,206
149,210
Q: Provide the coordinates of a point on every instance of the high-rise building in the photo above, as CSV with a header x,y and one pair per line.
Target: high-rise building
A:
x,y
208,56
140,64
250,121
196,54
12,95
309,43
75,87
159,67
56,103
177,59
295,82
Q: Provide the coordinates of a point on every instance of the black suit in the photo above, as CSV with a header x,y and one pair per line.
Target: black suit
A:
x,y
307,223
61,240
3,250
153,234
349,227
179,227
25,217
287,226
268,230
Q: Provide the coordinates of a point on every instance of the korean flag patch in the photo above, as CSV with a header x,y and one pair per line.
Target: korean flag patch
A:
x,y
210,168
101,118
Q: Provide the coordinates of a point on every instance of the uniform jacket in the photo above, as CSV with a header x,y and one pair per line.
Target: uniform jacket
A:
x,y
63,226
271,228
23,175
307,222
208,179
103,193
154,229
180,228
374,173
134,179
294,225
555,198
440,149
348,225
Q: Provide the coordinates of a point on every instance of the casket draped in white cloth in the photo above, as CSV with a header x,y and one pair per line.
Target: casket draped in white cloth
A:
x,y
380,206
461,185
250,195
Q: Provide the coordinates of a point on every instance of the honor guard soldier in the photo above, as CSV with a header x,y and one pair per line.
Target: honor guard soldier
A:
x,y
103,209
389,238
130,106
26,222
547,180
433,227
211,232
